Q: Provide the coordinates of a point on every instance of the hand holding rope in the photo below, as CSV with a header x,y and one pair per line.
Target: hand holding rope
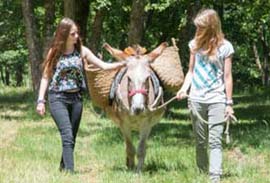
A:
x,y
228,117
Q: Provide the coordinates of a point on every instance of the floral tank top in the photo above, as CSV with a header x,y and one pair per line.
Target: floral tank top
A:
x,y
68,73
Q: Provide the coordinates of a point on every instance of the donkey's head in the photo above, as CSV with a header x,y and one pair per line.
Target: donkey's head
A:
x,y
138,74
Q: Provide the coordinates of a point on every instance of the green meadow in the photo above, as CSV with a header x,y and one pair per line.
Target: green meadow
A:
x,y
30,145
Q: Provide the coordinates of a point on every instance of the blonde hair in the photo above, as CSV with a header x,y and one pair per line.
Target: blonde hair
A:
x,y
209,35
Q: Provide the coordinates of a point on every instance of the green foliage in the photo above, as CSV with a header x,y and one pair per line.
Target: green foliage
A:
x,y
13,53
161,5
11,27
244,23
115,27
14,61
100,4
9,57
165,18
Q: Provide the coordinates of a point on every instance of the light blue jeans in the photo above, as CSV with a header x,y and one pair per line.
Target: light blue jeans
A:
x,y
208,134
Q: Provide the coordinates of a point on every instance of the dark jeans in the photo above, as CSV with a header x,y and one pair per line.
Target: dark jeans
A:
x,y
66,110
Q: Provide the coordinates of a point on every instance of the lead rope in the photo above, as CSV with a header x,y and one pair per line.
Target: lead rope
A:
x,y
231,118
163,105
228,119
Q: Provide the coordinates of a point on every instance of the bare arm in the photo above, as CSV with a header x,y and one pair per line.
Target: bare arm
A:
x,y
41,96
91,58
43,87
182,93
228,79
42,91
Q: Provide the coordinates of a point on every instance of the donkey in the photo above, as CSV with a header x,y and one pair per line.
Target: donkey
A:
x,y
135,93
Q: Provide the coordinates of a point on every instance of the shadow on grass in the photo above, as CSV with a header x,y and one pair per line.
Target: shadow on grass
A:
x,y
160,132
250,133
252,111
17,104
253,127
153,166
255,135
16,96
254,96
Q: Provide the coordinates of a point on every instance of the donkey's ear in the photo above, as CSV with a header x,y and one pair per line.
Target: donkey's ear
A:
x,y
157,51
117,54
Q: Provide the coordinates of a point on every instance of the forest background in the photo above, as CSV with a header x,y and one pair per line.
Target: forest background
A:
x,y
27,26
30,145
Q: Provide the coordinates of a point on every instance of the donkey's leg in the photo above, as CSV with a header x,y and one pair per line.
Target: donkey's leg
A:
x,y
130,150
141,152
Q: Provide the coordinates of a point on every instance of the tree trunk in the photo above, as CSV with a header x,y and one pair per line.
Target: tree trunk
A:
x,y
7,76
49,6
35,53
137,21
257,60
266,70
187,32
69,9
218,6
78,11
266,56
19,77
82,13
2,74
96,30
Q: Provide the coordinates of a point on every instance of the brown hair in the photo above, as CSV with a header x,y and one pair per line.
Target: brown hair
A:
x,y
58,46
208,34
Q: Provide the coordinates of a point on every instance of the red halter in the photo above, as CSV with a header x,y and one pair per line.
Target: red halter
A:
x,y
133,92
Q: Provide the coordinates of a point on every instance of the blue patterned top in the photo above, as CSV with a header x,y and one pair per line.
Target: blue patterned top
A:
x,y
68,73
208,75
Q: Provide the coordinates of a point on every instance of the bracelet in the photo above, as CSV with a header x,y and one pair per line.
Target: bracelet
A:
x,y
229,102
43,101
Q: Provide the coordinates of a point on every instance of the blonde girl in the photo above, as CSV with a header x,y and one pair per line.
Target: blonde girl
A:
x,y
209,83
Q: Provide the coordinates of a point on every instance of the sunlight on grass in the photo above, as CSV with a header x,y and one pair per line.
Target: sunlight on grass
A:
x,y
8,132
30,146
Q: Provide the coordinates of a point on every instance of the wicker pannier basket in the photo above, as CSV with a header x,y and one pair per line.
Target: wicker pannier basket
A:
x,y
169,69
167,66
99,84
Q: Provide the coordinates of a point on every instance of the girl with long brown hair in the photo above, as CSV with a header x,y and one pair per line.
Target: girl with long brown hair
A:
x,y
210,84
63,76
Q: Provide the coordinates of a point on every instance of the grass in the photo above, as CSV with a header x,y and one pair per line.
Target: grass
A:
x,y
30,145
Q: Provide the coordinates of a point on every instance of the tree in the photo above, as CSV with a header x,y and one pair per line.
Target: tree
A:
x,y
96,30
33,42
137,20
187,30
13,59
78,11
247,25
37,42
49,6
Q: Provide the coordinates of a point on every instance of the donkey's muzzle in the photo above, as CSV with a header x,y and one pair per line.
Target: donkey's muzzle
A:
x,y
137,110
